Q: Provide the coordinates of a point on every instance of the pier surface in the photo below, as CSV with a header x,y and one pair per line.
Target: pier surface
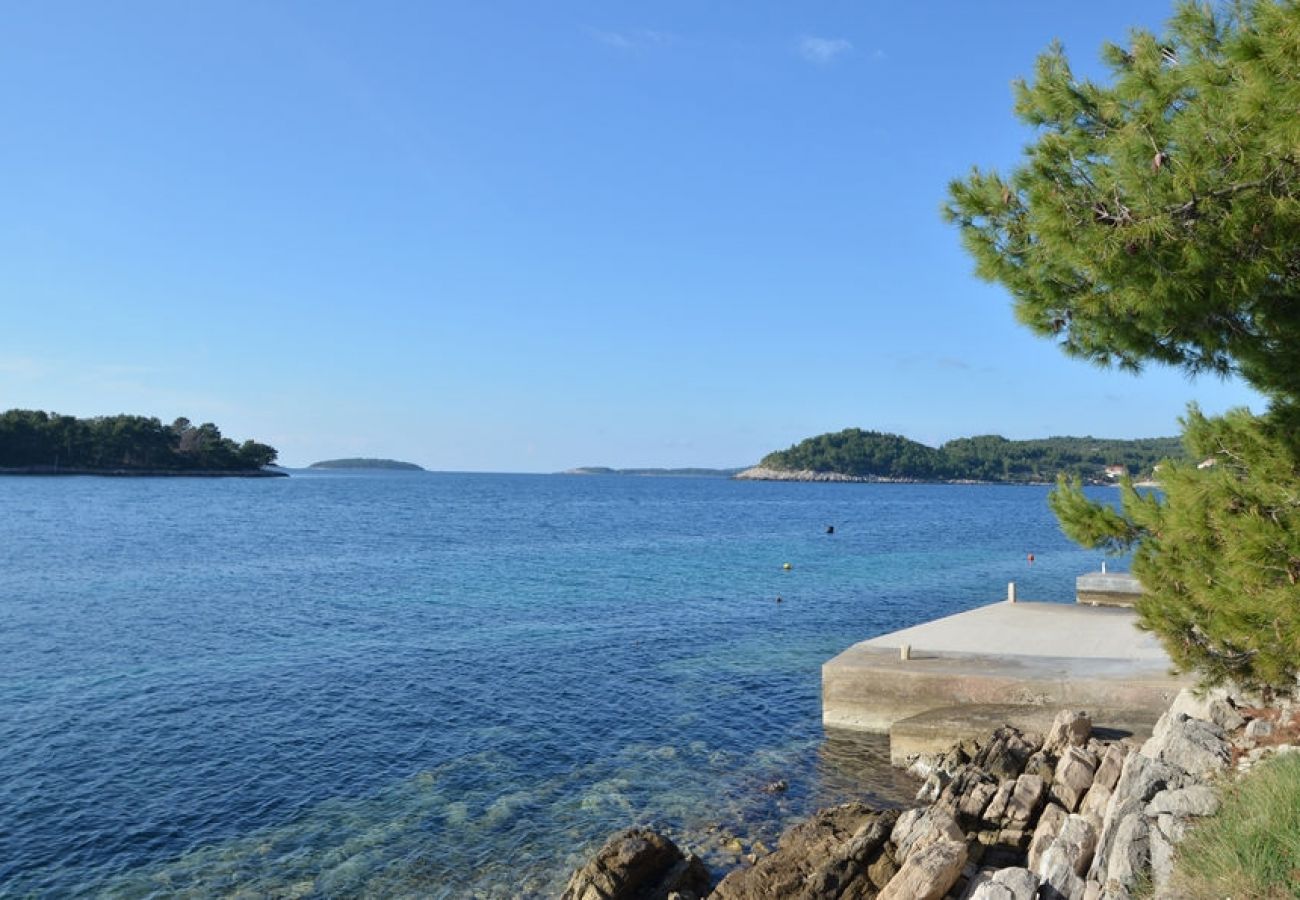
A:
x,y
1015,662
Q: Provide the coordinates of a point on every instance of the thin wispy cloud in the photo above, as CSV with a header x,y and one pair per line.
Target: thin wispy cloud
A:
x,y
821,51
634,39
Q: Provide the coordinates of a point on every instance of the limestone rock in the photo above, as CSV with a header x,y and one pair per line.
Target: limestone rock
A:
x,y
997,808
1130,854
1060,881
928,874
638,864
1005,884
1074,773
1076,841
1095,802
1193,745
1214,706
1069,729
837,844
1194,800
1042,765
968,794
1025,799
1141,779
1049,823
1065,861
1006,753
1161,858
1112,763
916,829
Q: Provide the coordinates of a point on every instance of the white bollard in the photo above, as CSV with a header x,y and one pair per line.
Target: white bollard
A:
x,y
1011,592
905,652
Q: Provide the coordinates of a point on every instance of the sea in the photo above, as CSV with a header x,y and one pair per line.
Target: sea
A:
x,y
411,684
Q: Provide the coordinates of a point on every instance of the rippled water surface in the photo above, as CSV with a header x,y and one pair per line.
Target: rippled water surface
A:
x,y
391,684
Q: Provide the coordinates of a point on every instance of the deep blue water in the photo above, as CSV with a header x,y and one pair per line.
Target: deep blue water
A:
x,y
388,684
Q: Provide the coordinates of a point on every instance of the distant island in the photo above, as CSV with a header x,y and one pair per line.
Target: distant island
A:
x,y
857,455
679,473
366,463
33,442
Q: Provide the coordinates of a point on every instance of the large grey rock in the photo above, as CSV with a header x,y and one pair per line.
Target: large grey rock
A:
x,y
1069,729
1194,800
1112,763
1193,745
1059,880
1161,851
1076,841
928,874
1025,800
1116,812
997,808
638,864
1005,884
1141,778
1095,802
917,829
1049,823
1074,773
1214,705
1130,854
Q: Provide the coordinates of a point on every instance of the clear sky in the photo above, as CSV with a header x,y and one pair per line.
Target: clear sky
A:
x,y
525,236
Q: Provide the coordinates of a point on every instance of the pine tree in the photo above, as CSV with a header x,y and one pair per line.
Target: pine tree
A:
x,y
1156,219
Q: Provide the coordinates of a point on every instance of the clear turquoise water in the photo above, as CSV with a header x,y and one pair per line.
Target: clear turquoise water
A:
x,y
389,684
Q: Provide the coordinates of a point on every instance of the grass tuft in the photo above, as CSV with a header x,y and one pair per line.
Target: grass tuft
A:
x,y
1250,850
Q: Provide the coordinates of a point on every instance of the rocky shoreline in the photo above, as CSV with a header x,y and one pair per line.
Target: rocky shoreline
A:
x,y
764,473
1015,816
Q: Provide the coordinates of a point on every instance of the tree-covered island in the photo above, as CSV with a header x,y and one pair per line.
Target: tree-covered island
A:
x,y
365,462
854,454
41,443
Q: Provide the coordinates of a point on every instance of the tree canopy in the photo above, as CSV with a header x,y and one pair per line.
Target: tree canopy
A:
x,y
1155,219
36,439
984,458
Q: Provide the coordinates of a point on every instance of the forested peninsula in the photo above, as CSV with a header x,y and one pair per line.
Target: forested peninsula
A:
x,y
857,455
33,442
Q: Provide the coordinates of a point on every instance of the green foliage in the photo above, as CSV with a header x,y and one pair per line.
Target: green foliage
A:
x,y
1250,849
1219,557
1156,219
31,438
985,458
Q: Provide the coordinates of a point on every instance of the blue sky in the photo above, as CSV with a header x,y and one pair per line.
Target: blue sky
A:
x,y
527,236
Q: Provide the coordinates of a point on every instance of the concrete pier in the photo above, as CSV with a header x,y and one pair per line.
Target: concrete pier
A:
x,y
1107,589
1015,662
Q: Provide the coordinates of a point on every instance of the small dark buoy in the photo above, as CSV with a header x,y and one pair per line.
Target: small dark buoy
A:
x,y
830,529
1031,559
778,598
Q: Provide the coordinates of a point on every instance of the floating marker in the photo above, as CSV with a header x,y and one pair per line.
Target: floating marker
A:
x,y
787,567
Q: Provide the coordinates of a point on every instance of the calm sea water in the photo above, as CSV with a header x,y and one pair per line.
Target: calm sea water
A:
x,y
389,684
